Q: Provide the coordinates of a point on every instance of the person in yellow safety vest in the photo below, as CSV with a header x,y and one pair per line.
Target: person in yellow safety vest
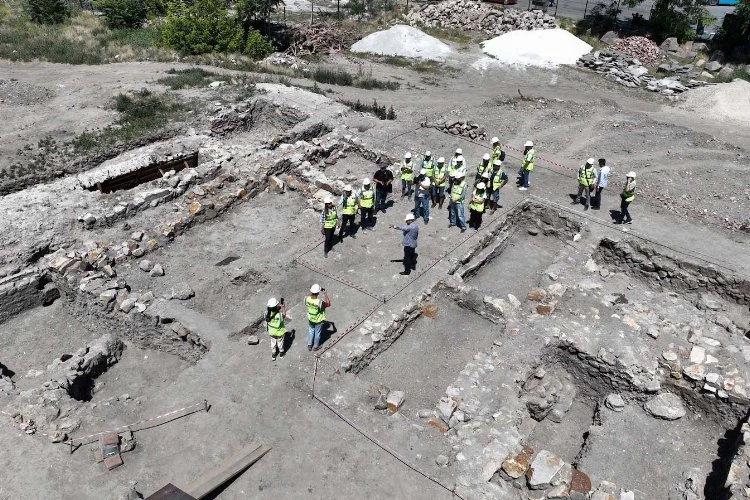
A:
x,y
407,176
456,204
452,165
498,179
366,203
316,315
627,196
527,165
348,204
586,182
428,164
329,222
476,207
275,316
438,182
497,151
482,168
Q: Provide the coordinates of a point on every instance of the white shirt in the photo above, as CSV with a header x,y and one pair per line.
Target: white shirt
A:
x,y
603,176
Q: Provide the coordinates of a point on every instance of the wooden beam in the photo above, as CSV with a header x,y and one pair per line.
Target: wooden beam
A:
x,y
227,470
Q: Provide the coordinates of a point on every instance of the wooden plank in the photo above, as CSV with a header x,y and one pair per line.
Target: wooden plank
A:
x,y
227,470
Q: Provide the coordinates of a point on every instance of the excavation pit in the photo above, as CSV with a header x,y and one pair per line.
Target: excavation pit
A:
x,y
145,174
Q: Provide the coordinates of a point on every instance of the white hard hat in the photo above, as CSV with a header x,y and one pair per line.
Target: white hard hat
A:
x,y
486,156
459,158
315,288
407,155
409,216
348,187
441,159
425,183
272,302
590,161
631,174
459,151
497,162
495,139
428,153
327,200
366,181
480,185
422,171
528,144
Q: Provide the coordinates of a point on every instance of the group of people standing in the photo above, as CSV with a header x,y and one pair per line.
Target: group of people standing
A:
x,y
592,181
429,184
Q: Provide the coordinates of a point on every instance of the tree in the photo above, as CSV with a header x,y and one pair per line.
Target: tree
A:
x,y
201,28
674,18
47,11
122,13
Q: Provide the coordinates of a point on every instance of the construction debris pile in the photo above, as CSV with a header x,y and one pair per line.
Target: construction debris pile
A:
x,y
630,72
639,48
281,59
459,127
475,16
319,38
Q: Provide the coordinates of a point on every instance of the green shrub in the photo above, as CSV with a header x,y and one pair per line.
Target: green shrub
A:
x,y
201,28
47,11
122,13
257,46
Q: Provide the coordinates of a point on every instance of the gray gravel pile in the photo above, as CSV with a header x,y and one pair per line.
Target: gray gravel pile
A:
x,y
22,94
629,71
475,16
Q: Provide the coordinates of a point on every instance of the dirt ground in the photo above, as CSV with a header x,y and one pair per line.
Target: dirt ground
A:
x,y
693,198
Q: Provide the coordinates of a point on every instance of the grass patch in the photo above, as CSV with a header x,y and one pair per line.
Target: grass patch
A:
x,y
140,115
332,77
191,77
25,41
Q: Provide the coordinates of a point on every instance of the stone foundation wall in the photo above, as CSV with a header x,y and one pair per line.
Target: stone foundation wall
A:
x,y
23,291
682,276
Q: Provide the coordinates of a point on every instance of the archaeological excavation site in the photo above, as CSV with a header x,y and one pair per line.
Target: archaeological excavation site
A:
x,y
555,351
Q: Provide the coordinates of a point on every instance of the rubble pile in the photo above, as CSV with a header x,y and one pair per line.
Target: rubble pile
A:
x,y
282,59
475,16
630,72
319,38
463,128
638,47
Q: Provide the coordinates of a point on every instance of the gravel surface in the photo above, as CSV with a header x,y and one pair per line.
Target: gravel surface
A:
x,y
726,101
17,93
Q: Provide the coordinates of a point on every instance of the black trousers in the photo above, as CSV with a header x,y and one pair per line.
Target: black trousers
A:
x,y
624,213
475,219
410,260
366,217
347,219
329,234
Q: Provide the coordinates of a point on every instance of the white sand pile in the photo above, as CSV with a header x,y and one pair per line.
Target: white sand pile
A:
x,y
726,101
540,48
404,41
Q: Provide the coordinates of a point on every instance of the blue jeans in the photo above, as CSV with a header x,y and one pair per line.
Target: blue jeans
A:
x,y
313,333
437,191
456,215
424,202
380,196
407,188
525,178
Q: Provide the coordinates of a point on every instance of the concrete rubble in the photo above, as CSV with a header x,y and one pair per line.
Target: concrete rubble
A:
x,y
475,16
